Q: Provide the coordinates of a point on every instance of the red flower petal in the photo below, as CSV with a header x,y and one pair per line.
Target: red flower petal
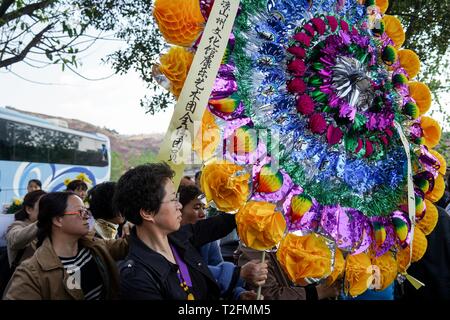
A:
x,y
332,22
344,25
320,25
317,123
305,105
334,135
384,140
389,132
297,85
297,67
309,28
369,148
303,38
360,145
297,51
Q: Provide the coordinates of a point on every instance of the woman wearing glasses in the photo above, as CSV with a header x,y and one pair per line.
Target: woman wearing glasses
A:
x,y
67,264
164,261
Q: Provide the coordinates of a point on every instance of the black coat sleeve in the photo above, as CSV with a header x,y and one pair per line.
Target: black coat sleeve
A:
x,y
210,229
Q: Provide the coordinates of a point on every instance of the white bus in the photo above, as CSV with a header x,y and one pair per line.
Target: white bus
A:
x,y
33,148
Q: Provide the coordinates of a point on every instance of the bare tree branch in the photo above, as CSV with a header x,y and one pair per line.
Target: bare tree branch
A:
x,y
5,5
28,10
37,38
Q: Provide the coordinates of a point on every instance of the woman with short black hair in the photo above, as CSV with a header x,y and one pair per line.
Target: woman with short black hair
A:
x,y
33,185
79,187
164,261
67,265
107,217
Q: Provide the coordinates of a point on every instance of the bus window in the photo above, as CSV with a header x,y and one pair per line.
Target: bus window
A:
x,y
6,142
23,142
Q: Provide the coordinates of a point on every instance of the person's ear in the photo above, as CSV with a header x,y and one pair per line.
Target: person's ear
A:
x,y
28,210
57,221
147,215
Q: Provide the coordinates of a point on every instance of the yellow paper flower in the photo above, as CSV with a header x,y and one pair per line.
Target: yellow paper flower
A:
x,y
17,202
394,30
419,246
259,226
180,21
383,5
403,259
388,269
338,267
429,220
304,257
83,177
409,61
421,94
358,274
67,181
208,138
438,190
443,163
226,184
175,65
431,131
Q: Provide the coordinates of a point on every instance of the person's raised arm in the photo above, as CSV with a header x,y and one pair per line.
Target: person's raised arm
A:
x,y
210,229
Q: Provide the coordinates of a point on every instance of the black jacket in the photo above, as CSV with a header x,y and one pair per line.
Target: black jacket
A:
x,y
146,274
434,268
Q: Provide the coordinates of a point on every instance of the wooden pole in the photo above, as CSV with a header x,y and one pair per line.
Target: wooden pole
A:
x,y
258,293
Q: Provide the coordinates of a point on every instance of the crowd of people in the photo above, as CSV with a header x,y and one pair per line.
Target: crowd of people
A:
x,y
140,238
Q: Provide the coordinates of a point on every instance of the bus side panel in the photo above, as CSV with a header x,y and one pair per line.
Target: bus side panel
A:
x,y
14,177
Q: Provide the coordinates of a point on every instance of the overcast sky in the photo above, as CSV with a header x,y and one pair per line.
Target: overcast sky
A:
x,y
113,103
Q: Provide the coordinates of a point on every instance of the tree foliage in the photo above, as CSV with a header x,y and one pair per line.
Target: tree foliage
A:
x,y
45,32
427,27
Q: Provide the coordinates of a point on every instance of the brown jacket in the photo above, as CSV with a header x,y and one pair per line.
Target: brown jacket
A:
x,y
42,277
277,286
21,235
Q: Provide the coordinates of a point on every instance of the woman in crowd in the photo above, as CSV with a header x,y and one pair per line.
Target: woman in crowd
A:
x,y
78,187
67,265
33,185
21,234
164,262
229,276
107,217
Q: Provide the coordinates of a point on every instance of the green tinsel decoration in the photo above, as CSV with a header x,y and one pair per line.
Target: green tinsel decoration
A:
x,y
380,202
315,81
399,79
319,96
359,122
389,55
243,63
412,110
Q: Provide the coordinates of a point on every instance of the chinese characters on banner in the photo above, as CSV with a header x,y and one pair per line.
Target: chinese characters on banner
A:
x,y
176,146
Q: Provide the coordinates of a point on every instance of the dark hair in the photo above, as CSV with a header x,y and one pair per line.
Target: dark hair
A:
x,y
197,174
51,205
76,184
188,193
30,199
141,188
38,182
100,199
